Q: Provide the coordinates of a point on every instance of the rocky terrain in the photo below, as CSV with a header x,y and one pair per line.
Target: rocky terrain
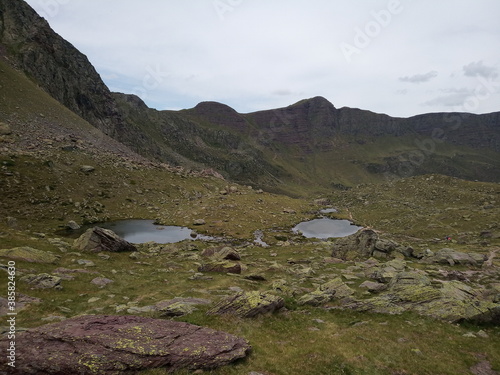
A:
x,y
416,291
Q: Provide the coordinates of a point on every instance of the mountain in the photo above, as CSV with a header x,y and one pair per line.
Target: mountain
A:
x,y
308,147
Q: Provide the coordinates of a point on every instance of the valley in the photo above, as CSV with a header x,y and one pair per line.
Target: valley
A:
x,y
415,291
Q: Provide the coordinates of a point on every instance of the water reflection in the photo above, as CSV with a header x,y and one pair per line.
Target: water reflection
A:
x,y
326,228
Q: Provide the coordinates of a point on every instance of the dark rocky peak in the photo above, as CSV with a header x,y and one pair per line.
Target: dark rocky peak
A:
x,y
316,103
219,114
133,100
55,65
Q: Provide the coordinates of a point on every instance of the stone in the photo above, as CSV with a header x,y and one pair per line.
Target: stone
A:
x,y
100,344
87,169
360,244
334,289
199,222
86,263
101,281
373,287
72,225
22,301
43,281
179,306
222,253
5,129
248,304
29,254
96,240
452,257
221,267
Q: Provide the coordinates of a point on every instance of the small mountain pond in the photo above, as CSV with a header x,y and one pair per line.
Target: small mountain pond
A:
x,y
326,228
141,231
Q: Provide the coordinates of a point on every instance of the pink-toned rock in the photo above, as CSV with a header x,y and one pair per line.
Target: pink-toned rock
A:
x,y
109,345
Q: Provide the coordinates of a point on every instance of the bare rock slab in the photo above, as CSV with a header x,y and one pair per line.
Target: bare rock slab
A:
x,y
97,240
108,345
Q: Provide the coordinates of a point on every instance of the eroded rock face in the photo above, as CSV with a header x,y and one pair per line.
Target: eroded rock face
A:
x,y
248,305
96,240
123,344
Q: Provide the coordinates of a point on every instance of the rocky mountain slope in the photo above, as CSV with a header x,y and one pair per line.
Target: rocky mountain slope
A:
x,y
307,147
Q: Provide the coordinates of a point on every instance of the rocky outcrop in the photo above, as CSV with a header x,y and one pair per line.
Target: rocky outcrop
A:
x,y
248,304
96,240
43,281
365,244
123,344
452,301
453,257
335,289
29,254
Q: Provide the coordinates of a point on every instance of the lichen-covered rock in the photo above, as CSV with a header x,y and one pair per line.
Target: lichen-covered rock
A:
x,y
110,345
179,306
360,244
96,240
248,304
451,301
222,253
334,289
221,267
43,281
28,254
452,257
365,244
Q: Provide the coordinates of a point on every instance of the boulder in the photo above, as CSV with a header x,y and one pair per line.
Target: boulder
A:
x,y
360,244
43,281
221,252
199,222
96,240
221,267
452,257
179,306
101,281
28,254
5,129
122,344
87,169
73,225
248,304
334,289
365,244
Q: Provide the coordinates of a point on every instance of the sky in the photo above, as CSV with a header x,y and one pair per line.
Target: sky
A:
x,y
399,57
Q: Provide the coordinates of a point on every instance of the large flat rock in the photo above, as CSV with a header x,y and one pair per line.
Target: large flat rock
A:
x,y
103,344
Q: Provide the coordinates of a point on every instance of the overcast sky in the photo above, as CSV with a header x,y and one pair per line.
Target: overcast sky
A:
x,y
402,57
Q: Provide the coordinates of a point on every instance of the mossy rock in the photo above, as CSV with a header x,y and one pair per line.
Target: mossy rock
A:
x,y
28,254
248,304
221,267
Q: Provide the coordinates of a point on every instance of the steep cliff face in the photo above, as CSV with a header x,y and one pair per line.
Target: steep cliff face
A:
x,y
56,65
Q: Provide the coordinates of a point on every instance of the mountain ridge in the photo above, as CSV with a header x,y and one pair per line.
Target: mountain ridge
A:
x,y
306,147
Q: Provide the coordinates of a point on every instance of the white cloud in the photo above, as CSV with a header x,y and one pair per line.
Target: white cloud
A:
x,y
419,78
478,69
